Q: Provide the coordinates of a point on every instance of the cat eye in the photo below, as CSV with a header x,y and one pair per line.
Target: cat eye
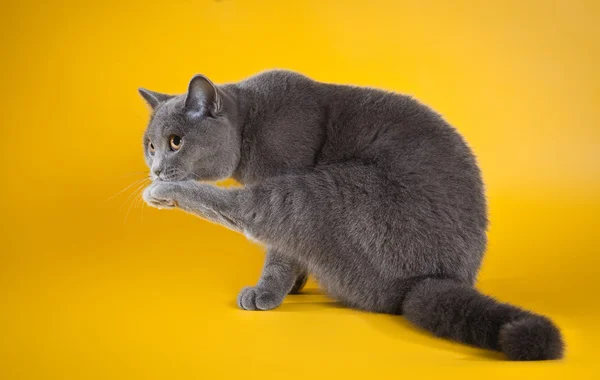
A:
x,y
175,142
151,148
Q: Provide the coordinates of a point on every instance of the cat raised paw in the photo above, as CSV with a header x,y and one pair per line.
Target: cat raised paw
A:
x,y
160,195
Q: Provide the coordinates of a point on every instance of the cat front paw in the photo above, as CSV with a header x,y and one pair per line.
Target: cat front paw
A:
x,y
255,298
161,195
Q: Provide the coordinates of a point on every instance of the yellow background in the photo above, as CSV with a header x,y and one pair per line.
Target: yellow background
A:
x,y
88,292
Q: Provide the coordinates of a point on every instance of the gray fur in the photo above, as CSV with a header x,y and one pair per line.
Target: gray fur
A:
x,y
371,192
278,278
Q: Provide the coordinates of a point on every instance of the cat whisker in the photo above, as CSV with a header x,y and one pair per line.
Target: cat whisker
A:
x,y
179,171
142,185
143,206
127,188
137,193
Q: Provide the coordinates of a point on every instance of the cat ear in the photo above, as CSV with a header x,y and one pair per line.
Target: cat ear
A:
x,y
202,98
153,98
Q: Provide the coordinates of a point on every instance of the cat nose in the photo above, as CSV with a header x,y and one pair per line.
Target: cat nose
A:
x,y
157,168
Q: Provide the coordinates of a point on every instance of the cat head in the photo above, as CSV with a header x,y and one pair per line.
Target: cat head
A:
x,y
192,136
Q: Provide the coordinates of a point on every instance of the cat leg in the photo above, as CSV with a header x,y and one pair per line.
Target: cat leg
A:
x,y
301,280
301,214
280,274
209,202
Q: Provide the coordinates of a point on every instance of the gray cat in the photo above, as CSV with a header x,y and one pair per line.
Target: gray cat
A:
x,y
371,192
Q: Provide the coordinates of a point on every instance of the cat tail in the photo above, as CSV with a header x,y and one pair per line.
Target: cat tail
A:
x,y
457,311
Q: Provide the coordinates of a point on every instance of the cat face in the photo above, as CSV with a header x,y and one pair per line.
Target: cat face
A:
x,y
191,136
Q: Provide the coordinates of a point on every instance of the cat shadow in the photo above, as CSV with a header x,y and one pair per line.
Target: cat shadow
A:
x,y
393,326
309,291
306,300
398,328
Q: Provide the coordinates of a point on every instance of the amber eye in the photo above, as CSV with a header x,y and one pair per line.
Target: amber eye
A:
x,y
151,148
175,142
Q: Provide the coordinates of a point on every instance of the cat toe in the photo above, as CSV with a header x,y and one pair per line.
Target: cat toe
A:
x,y
254,298
160,203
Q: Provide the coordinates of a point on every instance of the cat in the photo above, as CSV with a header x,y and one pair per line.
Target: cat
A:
x,y
369,191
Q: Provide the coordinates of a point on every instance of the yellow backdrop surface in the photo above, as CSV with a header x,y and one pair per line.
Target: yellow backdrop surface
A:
x,y
92,287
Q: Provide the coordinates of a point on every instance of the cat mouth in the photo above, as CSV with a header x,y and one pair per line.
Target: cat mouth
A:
x,y
167,179
179,178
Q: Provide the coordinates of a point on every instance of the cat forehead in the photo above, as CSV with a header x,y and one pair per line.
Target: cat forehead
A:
x,y
169,108
168,114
